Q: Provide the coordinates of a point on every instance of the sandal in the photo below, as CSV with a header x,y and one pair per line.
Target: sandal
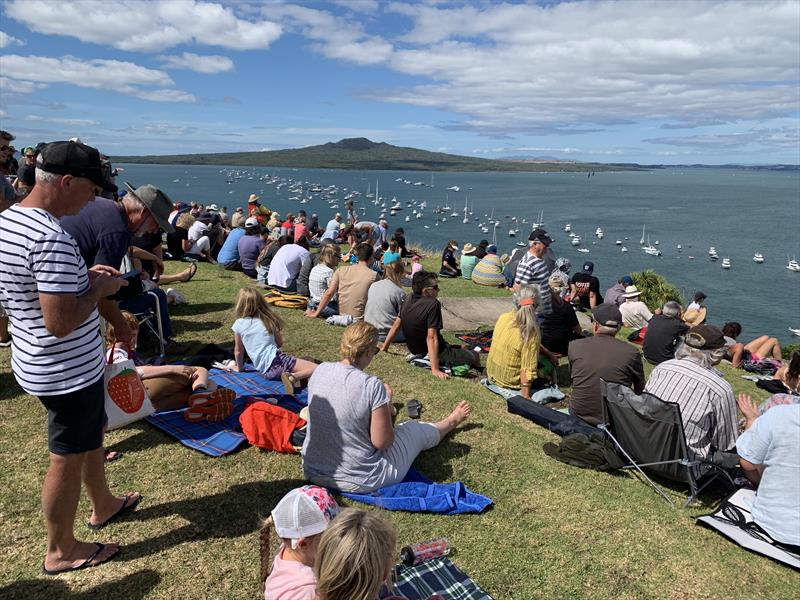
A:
x,y
129,504
289,383
210,406
91,561
192,271
414,408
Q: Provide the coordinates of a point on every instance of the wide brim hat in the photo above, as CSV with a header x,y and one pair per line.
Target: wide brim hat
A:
x,y
253,198
632,292
156,201
468,249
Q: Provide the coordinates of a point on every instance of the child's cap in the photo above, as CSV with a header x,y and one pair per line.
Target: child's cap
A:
x,y
304,512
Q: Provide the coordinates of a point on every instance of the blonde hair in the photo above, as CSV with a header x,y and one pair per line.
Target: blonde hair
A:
x,y
329,254
394,272
111,334
355,556
526,299
185,220
250,303
357,339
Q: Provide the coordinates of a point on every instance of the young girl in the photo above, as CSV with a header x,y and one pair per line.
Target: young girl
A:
x,y
320,278
258,331
299,519
355,556
171,387
392,254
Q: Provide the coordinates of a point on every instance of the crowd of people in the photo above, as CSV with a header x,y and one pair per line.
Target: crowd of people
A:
x,y
74,249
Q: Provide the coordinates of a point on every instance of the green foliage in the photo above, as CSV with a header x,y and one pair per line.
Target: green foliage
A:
x,y
656,290
361,153
787,350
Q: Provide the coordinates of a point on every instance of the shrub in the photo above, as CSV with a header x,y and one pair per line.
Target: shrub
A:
x,y
655,289
786,351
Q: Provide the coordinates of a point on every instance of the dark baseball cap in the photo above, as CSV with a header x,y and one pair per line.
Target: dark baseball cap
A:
x,y
607,315
76,159
705,337
588,266
540,235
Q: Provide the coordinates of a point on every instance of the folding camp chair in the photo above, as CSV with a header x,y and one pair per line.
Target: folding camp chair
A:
x,y
151,319
649,432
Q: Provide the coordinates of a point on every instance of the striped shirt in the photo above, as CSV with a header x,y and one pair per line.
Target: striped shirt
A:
x,y
708,408
533,270
38,256
318,281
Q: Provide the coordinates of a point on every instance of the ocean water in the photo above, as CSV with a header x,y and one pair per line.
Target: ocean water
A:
x,y
737,211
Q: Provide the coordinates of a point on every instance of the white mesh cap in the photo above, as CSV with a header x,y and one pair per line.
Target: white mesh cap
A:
x,y
304,512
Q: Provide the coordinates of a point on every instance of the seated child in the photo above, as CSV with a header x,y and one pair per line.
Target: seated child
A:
x,y
258,331
299,520
171,387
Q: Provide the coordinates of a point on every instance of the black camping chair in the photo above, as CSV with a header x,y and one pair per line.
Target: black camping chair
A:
x,y
649,433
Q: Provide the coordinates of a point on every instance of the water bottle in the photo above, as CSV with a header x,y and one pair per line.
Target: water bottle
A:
x,y
418,553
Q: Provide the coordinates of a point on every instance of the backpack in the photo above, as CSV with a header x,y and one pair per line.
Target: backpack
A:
x,y
270,427
592,451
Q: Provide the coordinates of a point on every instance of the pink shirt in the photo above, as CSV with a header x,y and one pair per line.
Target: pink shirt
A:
x,y
289,580
415,267
300,232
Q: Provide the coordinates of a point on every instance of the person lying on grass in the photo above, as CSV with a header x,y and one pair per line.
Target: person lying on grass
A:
x,y
259,332
170,387
299,519
351,444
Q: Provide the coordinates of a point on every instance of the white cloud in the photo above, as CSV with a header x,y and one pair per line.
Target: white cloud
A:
x,y
110,75
8,40
144,27
207,64
15,86
62,121
334,37
783,137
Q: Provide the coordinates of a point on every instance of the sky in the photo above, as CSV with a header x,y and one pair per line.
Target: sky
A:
x,y
665,81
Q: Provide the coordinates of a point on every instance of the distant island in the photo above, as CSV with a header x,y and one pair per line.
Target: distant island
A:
x,y
364,154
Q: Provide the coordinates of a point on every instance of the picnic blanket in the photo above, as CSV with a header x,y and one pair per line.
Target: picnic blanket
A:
x,y
223,437
480,341
558,422
417,493
733,520
436,576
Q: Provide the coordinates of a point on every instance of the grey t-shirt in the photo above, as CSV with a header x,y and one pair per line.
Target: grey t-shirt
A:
x,y
337,451
384,301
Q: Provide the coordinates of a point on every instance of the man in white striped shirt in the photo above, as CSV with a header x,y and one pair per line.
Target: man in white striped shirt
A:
x,y
533,269
57,352
708,407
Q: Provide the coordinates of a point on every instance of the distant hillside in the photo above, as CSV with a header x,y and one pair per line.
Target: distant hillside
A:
x,y
361,153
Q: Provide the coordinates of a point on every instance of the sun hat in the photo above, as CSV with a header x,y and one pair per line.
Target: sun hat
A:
x,y
252,199
558,281
156,201
342,225
540,235
607,315
468,249
76,159
251,222
304,512
705,337
632,292
588,267
337,216
213,207
239,209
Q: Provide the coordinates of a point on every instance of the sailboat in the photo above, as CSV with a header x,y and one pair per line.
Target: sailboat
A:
x,y
650,249
641,241
726,263
465,220
793,266
758,258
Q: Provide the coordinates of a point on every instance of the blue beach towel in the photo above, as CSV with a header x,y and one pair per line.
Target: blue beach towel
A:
x,y
223,437
417,493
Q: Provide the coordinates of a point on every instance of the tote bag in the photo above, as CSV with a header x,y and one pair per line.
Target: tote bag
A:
x,y
126,398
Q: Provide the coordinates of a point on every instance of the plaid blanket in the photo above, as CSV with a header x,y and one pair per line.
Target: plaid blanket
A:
x,y
223,437
481,340
436,576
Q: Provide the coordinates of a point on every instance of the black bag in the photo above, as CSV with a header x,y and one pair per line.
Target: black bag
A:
x,y
592,451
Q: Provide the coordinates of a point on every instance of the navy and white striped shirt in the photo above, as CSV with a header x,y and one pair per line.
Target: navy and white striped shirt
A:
x,y
37,256
533,270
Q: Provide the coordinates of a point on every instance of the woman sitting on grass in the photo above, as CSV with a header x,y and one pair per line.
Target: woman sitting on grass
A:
x,y
514,355
351,444
760,348
489,271
171,387
259,332
385,299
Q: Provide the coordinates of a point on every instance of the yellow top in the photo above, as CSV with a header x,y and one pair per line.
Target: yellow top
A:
x,y
508,355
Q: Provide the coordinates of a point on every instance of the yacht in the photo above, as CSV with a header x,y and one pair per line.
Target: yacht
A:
x,y
623,249
680,248
650,249
454,188
568,227
758,258
576,240
794,331
618,242
583,250
599,233
793,266
512,232
408,218
712,253
726,263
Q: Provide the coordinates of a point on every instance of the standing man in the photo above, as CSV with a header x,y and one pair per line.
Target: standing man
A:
x,y
51,299
533,269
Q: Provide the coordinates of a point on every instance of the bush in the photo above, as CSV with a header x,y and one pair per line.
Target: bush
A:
x,y
655,289
786,351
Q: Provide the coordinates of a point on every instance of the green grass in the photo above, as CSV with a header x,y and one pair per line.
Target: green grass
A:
x,y
555,531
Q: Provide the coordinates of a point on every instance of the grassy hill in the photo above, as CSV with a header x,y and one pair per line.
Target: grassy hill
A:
x,y
361,153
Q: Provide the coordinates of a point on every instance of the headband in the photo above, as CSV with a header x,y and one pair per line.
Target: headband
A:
x,y
526,302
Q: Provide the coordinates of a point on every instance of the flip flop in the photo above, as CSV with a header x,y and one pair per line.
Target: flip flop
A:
x,y
112,455
210,406
413,408
129,504
85,564
289,383
192,271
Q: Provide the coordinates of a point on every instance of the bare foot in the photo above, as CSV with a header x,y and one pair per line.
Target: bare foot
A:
x,y
79,555
460,413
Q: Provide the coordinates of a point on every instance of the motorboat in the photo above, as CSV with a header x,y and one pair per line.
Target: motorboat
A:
x,y
512,232
726,263
576,240
568,227
599,233
623,249
758,258
793,266
583,250
454,188
794,330
618,242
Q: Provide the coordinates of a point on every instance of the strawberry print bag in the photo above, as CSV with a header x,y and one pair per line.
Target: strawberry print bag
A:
x,y
126,397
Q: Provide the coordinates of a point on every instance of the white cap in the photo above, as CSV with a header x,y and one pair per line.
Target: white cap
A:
x,y
213,207
251,222
304,512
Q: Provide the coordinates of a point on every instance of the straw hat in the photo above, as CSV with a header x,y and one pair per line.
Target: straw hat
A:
x,y
468,249
253,198
632,292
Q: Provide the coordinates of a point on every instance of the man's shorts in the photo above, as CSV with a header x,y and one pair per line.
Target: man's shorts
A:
x,y
75,420
454,355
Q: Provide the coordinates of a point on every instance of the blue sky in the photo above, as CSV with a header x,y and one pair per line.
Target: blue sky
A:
x,y
634,81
